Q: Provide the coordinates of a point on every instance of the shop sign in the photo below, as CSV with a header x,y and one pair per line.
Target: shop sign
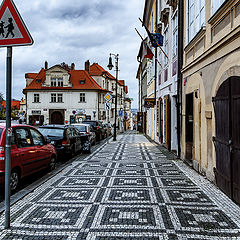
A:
x,y
149,102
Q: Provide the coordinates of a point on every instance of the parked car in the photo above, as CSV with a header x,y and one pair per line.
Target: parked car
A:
x,y
97,127
108,127
30,153
87,129
86,144
65,138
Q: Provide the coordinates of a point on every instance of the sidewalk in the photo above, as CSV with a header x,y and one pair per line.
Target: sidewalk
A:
x,y
125,190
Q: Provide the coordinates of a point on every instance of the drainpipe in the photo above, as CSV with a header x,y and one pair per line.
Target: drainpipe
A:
x,y
156,53
180,64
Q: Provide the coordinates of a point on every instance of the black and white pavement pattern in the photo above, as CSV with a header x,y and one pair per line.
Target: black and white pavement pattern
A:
x,y
126,190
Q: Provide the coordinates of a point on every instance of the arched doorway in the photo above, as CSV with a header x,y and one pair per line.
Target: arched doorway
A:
x,y
227,139
56,117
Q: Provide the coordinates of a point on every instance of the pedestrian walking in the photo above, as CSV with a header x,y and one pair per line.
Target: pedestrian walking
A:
x,y
10,27
2,28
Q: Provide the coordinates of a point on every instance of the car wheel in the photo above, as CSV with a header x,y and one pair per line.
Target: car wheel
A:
x,y
89,149
14,180
52,164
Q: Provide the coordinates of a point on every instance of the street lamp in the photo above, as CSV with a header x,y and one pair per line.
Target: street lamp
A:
x,y
110,66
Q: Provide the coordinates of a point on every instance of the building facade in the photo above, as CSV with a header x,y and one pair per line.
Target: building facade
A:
x,y
167,79
60,94
159,75
211,90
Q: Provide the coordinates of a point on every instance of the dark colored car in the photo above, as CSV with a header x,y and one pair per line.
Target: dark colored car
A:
x,y
87,129
30,153
97,127
108,128
65,138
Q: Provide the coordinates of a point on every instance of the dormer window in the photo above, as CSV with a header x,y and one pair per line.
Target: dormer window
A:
x,y
82,82
56,82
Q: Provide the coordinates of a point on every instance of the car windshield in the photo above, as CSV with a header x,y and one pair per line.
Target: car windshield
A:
x,y
52,132
91,122
80,128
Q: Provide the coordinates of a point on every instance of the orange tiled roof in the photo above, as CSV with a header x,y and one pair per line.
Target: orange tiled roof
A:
x,y
126,89
15,104
121,82
97,70
75,77
31,75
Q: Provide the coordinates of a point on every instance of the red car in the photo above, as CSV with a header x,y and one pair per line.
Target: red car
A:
x,y
30,153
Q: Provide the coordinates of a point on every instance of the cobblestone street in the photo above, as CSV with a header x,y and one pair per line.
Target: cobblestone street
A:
x,y
125,190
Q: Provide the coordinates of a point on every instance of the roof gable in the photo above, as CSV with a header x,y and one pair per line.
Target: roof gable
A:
x,y
56,68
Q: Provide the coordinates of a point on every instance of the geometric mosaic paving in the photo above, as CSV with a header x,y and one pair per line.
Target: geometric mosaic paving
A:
x,y
125,190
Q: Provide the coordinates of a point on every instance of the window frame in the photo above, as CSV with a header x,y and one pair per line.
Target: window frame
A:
x,y
59,97
53,97
195,18
82,97
36,98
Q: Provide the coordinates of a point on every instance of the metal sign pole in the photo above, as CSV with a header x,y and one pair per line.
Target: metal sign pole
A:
x,y
8,137
107,126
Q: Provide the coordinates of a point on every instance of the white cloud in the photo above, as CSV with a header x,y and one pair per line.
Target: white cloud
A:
x,y
74,31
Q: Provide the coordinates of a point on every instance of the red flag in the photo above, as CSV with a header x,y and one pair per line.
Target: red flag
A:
x,y
147,52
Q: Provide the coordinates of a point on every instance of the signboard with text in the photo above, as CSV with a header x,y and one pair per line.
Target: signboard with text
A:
x,y
149,102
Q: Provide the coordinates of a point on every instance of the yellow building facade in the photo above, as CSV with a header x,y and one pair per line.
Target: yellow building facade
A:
x,y
211,91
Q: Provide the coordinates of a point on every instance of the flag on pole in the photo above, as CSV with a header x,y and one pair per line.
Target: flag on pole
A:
x,y
155,38
147,52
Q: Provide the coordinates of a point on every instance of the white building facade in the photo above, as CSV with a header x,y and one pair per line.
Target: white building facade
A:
x,y
60,95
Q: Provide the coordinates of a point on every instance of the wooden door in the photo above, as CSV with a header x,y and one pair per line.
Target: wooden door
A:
x,y
189,126
227,139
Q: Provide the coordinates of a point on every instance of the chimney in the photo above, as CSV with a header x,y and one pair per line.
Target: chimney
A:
x,y
87,65
46,65
72,66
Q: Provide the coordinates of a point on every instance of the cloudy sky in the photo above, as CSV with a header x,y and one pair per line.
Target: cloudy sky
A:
x,y
75,31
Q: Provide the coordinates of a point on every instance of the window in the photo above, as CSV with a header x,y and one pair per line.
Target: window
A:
x,y
216,4
175,35
23,138
82,97
59,97
37,138
60,82
82,82
53,82
36,98
56,97
53,97
113,86
196,17
56,82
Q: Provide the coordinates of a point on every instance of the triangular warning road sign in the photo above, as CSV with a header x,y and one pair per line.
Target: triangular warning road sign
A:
x,y
13,31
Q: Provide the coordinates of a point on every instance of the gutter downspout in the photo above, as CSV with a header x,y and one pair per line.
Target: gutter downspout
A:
x,y
180,64
155,67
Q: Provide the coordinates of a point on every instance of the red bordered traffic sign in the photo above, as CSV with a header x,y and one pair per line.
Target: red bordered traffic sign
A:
x,y
13,31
